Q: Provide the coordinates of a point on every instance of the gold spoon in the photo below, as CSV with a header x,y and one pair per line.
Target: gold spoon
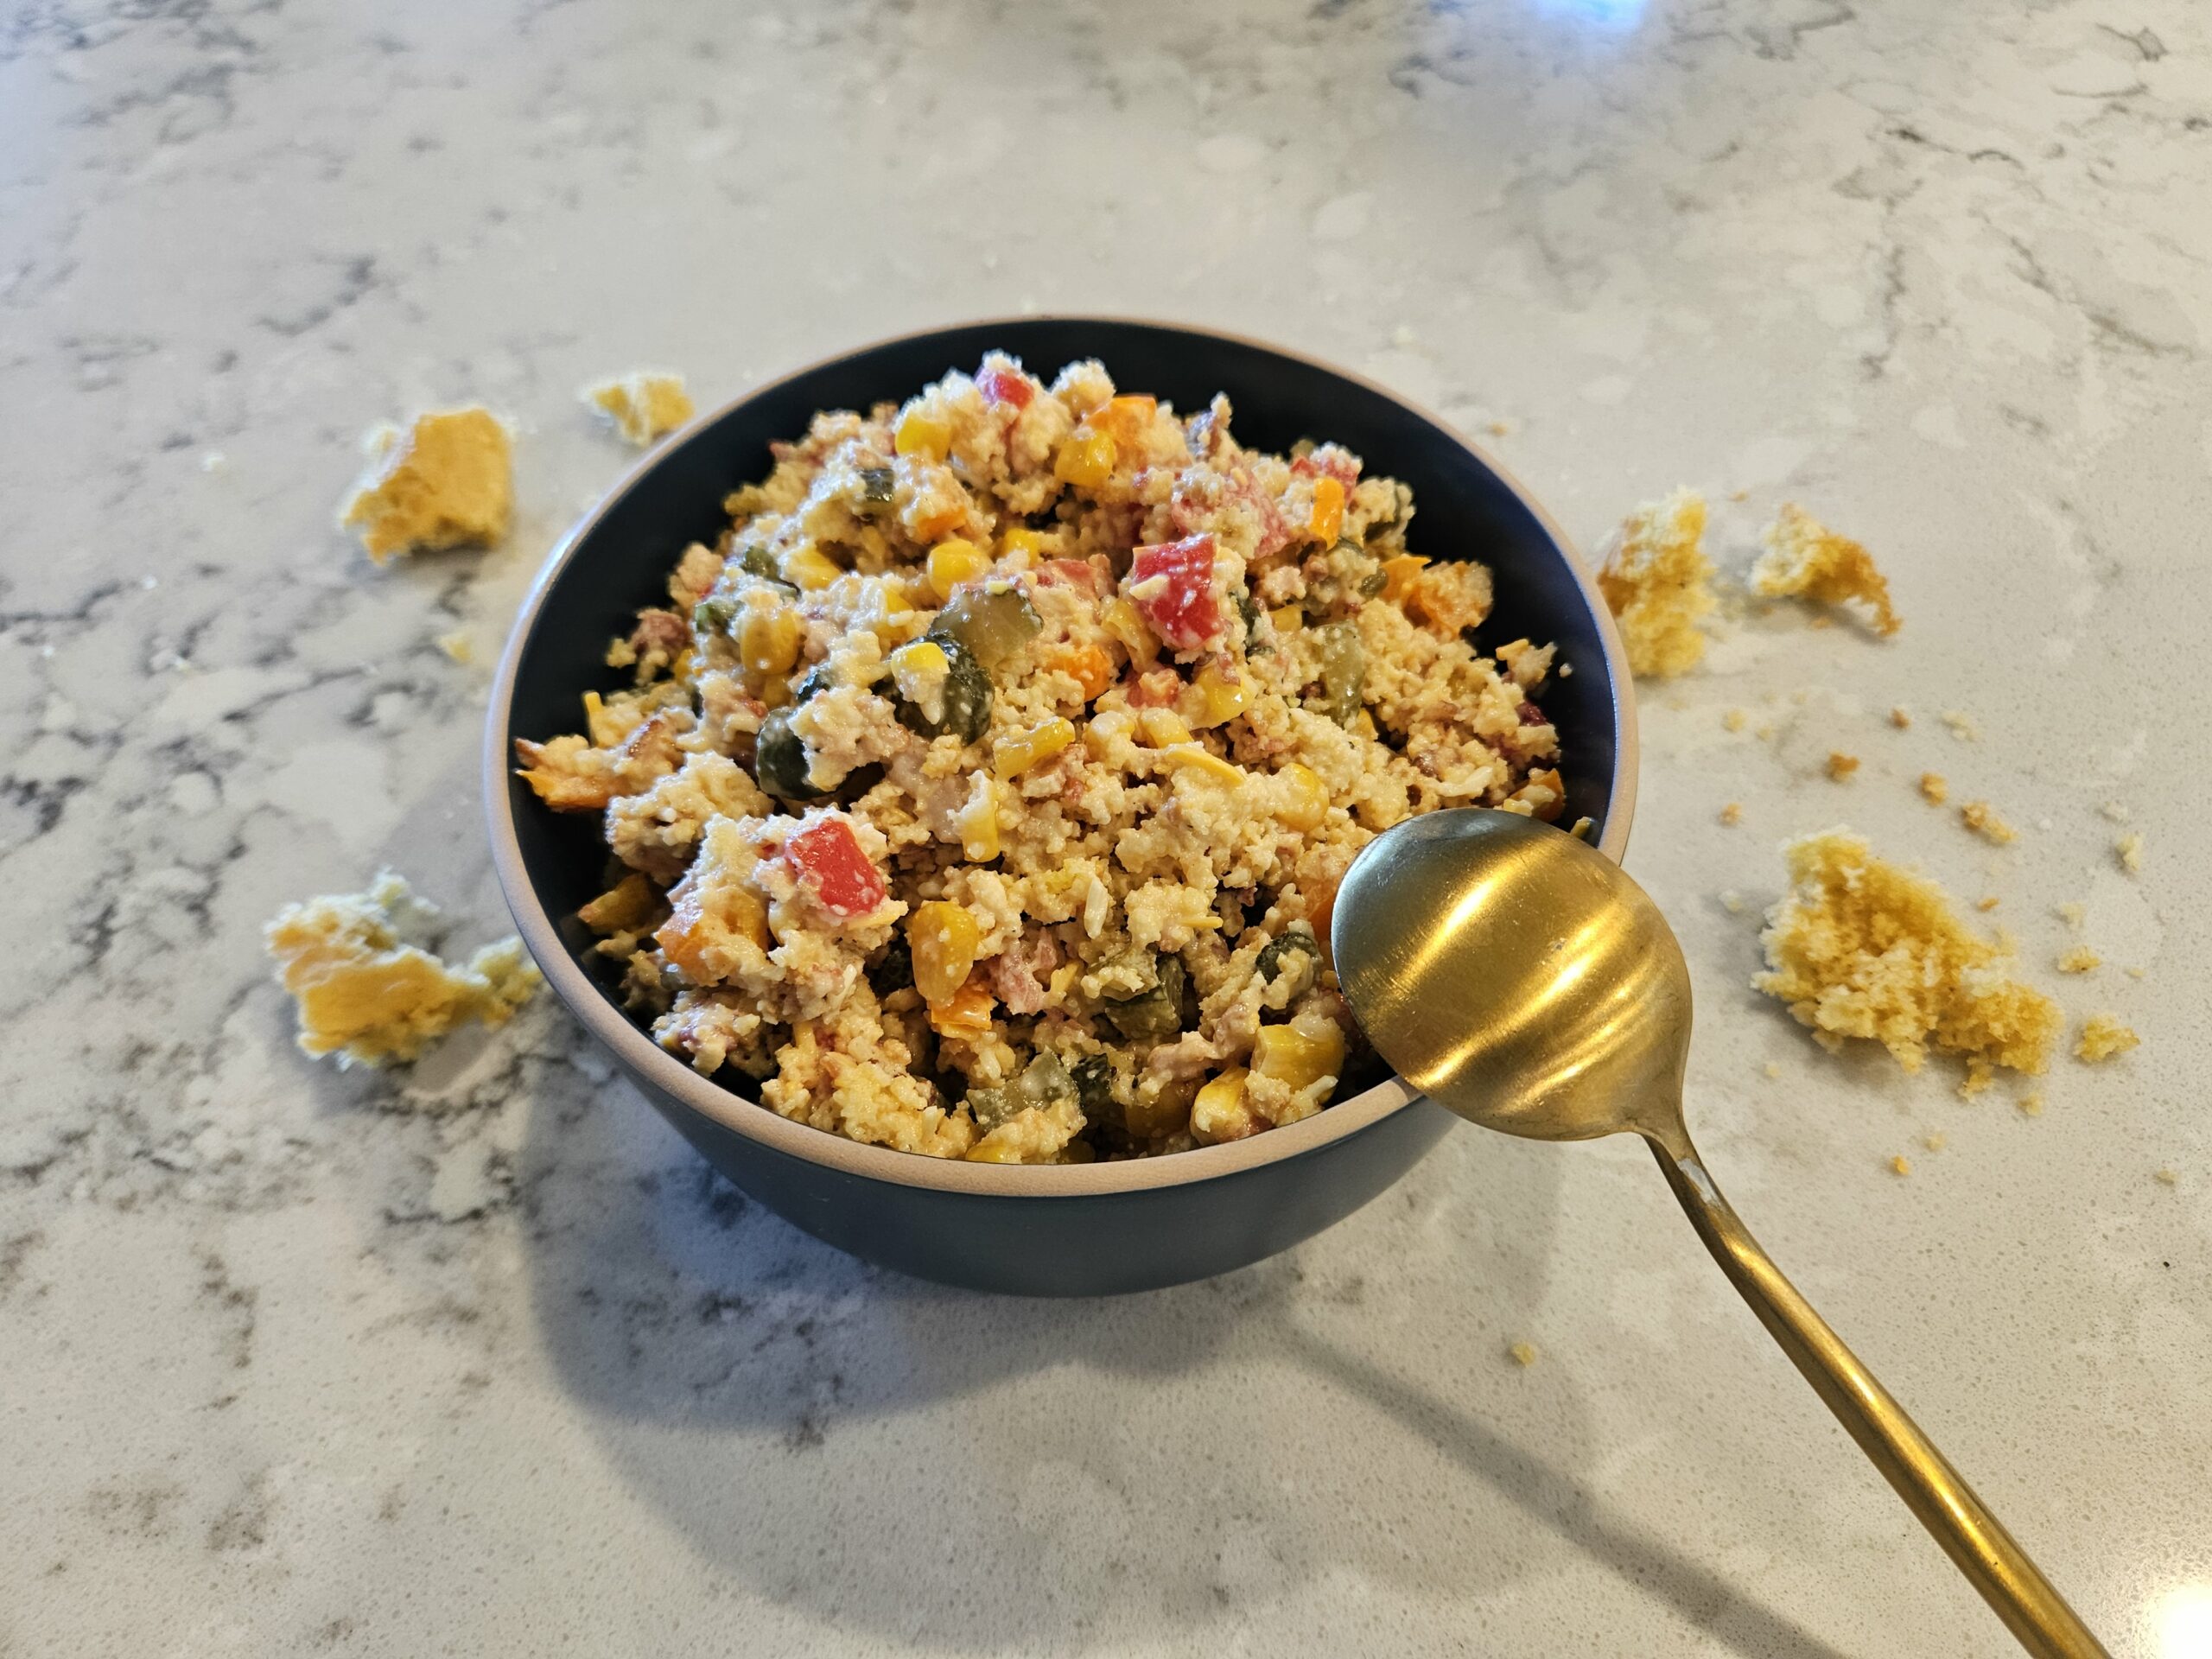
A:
x,y
1520,978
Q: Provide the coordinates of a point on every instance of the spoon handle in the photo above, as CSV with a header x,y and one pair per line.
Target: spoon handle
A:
x,y
1974,1538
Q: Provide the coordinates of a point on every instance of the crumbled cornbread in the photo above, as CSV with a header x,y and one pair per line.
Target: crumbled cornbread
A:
x,y
1523,1353
1657,580
2072,913
1900,1165
2114,810
1987,901
1981,817
2167,1176
1859,948
641,406
2129,850
457,645
367,995
2032,1105
1841,765
1901,717
1962,725
1734,720
1934,788
1732,813
1804,560
1934,1140
445,481
2104,1035
2080,960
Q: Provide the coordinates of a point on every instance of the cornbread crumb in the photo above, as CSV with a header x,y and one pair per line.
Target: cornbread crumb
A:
x,y
1934,788
1772,1069
2080,960
1658,583
1901,718
1900,1165
1805,560
1987,901
1859,947
2167,1176
1523,1353
1982,819
2104,1035
457,645
1734,720
641,405
367,995
1732,902
445,481
2072,913
1962,726
2115,810
1582,828
2133,973
1841,765
2032,1105
1732,813
2129,850
1934,1140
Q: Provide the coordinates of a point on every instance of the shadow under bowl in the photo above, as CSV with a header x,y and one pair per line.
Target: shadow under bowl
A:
x,y
1065,1231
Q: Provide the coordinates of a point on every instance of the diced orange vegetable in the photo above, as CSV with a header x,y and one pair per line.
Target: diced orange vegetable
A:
x,y
966,1013
1089,667
1320,907
1125,418
1398,575
1086,459
1327,521
922,435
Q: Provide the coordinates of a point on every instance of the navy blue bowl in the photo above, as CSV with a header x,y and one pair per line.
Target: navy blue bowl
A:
x,y
1079,1230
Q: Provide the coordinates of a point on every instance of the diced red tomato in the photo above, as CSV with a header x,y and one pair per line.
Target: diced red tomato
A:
x,y
1005,386
830,860
1173,586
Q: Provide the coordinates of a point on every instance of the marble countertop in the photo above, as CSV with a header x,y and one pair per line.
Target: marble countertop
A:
x,y
479,1358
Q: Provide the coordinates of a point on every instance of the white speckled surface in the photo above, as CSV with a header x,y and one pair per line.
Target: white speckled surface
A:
x,y
479,1360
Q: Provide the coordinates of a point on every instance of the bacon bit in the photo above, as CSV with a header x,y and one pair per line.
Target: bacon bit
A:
x,y
1005,386
1530,714
828,858
1156,688
658,630
1068,573
1178,602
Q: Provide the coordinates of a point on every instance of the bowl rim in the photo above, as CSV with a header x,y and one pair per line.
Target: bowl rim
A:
x,y
649,1062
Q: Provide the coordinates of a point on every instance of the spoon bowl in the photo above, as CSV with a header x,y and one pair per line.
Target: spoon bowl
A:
x,y
1521,979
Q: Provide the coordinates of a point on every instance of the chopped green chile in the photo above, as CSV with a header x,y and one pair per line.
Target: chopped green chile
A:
x,y
877,488
1274,957
1343,669
1154,1015
1093,1077
994,627
779,759
967,696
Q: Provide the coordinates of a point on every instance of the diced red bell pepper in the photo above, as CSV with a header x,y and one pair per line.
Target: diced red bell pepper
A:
x,y
1173,586
1328,463
1006,386
1068,573
830,861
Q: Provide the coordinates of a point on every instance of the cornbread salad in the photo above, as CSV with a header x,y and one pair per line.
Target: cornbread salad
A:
x,y
984,792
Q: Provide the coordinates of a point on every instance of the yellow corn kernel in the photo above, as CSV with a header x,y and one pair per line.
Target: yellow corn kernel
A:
x,y
893,600
1219,1113
1398,575
767,642
1300,1053
942,937
1014,755
1288,619
1327,521
966,1013
1306,797
919,670
997,1148
977,822
1126,623
1362,725
604,729
808,567
1086,459
953,561
1197,758
1220,698
1161,726
1021,541
922,435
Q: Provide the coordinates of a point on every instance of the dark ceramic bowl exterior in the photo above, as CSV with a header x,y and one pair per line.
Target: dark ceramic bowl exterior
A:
x,y
1078,1230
